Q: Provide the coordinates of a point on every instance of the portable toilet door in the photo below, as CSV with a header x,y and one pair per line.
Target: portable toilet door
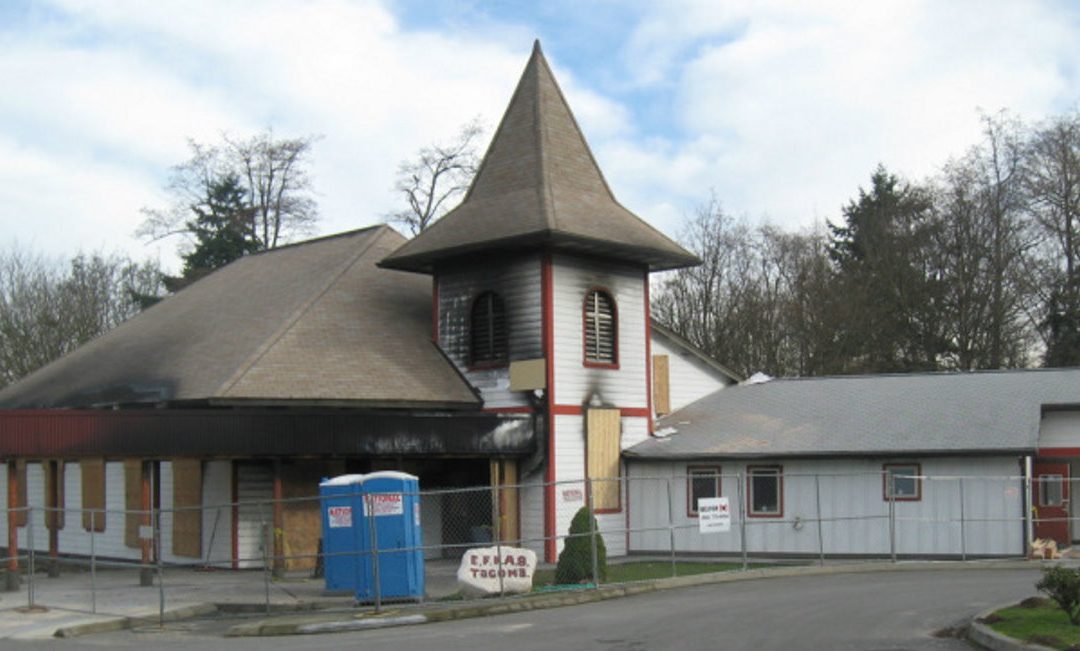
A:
x,y
391,508
340,555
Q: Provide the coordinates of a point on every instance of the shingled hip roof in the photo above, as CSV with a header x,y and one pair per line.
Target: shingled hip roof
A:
x,y
316,322
540,187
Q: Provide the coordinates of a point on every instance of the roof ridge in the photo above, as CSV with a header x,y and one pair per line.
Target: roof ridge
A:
x,y
543,183
941,373
260,352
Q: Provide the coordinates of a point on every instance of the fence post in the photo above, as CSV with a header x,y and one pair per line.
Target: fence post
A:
x,y
31,551
497,529
374,539
963,533
267,540
892,524
93,563
742,519
820,535
592,534
160,567
671,527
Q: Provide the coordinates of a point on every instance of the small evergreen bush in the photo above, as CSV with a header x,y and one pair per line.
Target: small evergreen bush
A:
x,y
575,561
1061,584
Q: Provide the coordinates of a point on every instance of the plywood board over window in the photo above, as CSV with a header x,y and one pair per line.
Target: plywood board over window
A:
x,y
54,494
661,385
187,500
603,429
133,518
92,472
17,469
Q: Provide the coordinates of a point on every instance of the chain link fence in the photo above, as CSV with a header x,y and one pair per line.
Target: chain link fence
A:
x,y
257,555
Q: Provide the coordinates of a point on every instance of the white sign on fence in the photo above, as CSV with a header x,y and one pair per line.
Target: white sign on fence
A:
x,y
385,504
339,516
714,515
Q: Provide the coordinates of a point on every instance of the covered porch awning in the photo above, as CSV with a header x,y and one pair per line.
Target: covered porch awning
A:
x,y
162,433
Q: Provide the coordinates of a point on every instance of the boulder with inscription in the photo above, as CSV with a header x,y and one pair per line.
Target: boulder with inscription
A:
x,y
484,570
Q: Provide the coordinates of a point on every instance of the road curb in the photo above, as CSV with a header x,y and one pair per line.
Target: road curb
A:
x,y
986,637
122,623
324,624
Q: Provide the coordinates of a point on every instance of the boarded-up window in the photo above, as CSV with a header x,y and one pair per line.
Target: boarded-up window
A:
x,y
661,385
603,429
133,518
92,472
54,494
17,470
187,500
600,328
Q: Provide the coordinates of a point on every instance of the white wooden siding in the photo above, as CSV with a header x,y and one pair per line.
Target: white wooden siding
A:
x,y
575,383
531,496
689,378
518,284
254,483
217,516
1060,429
993,509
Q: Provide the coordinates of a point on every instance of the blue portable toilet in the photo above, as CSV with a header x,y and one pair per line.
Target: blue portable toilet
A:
x,y
391,507
339,518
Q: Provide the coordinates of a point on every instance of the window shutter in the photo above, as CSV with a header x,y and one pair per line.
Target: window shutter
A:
x,y
489,339
603,429
132,501
54,494
600,328
92,473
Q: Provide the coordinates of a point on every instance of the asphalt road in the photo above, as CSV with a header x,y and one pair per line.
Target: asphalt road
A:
x,y
888,611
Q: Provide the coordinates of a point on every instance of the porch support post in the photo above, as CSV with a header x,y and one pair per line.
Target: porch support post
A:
x,y
53,515
279,522
12,575
146,504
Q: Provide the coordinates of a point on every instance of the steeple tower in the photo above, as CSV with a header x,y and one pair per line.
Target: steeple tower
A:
x,y
540,187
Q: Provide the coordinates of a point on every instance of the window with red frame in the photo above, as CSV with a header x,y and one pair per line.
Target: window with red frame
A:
x,y
489,341
600,328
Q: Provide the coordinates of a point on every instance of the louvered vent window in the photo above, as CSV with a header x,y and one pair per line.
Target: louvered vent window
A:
x,y
489,343
600,328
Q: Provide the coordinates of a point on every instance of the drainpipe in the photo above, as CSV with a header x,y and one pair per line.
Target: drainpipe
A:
x,y
1029,524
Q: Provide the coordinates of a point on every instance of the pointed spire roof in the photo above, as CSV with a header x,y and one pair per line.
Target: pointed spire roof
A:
x,y
539,187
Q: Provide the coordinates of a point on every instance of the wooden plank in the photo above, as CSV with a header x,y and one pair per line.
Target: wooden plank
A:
x,y
54,494
661,385
133,505
187,477
92,474
20,492
508,493
603,429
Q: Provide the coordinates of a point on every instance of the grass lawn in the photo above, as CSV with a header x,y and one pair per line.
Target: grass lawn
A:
x,y
644,570
1041,622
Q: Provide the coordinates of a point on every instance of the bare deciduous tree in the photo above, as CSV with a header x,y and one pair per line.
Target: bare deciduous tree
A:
x,y
439,174
275,180
49,308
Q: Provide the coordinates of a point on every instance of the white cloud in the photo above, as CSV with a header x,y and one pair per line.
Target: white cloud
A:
x,y
787,107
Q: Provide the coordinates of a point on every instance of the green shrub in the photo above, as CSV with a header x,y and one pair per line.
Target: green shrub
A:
x,y
575,561
1062,584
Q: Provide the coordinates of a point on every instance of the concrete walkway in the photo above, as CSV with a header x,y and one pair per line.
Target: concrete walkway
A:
x,y
77,603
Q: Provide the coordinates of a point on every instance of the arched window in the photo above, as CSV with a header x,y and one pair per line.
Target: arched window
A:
x,y
489,343
600,328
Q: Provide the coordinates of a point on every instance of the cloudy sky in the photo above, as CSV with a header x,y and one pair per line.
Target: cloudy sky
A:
x,y
782,108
